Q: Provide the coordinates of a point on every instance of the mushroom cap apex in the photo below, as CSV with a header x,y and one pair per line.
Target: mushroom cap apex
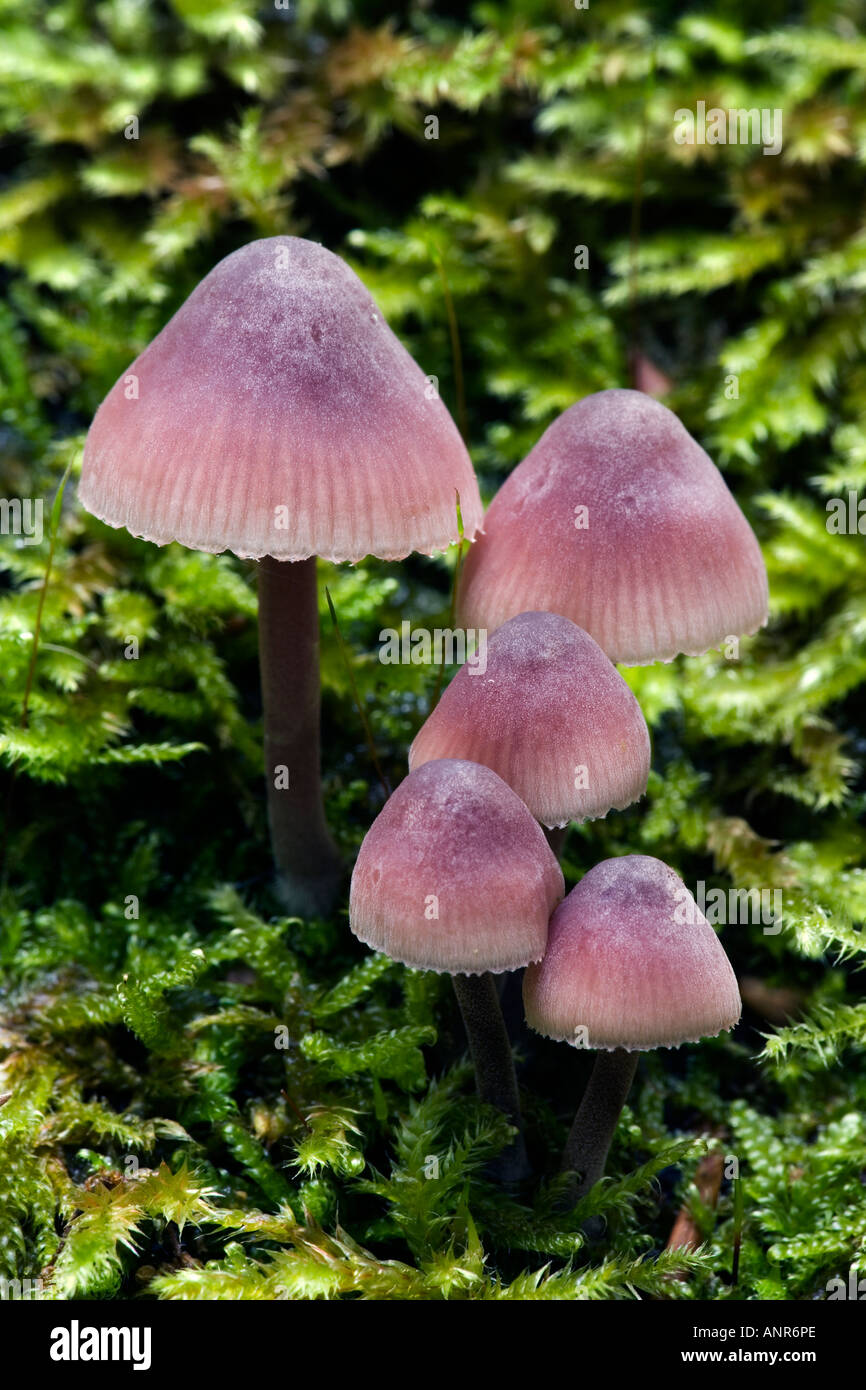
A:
x,y
277,414
454,875
548,712
619,520
632,963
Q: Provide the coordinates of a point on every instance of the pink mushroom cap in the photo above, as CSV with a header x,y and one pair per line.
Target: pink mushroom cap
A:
x,y
551,715
632,961
661,560
277,414
454,875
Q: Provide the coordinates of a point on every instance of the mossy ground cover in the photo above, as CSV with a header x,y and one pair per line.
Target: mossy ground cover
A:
x,y
202,1098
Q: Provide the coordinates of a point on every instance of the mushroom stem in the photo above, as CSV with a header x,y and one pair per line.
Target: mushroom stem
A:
x,y
495,1078
308,863
595,1123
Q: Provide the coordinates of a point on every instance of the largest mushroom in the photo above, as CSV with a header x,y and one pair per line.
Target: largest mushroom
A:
x,y
277,416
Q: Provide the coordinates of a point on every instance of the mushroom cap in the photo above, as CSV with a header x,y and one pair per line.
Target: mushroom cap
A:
x,y
631,959
453,839
277,414
548,704
667,563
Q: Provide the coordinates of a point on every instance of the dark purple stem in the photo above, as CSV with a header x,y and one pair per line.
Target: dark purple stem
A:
x,y
495,1077
308,864
597,1117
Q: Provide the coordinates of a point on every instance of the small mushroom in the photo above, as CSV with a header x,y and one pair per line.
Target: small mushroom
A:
x,y
631,964
277,416
620,521
551,715
454,875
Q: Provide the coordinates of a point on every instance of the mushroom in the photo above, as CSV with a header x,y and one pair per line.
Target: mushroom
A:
x,y
631,964
277,416
454,875
620,521
551,715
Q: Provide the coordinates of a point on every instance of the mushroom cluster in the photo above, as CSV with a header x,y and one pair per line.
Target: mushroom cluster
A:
x,y
277,416
616,540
